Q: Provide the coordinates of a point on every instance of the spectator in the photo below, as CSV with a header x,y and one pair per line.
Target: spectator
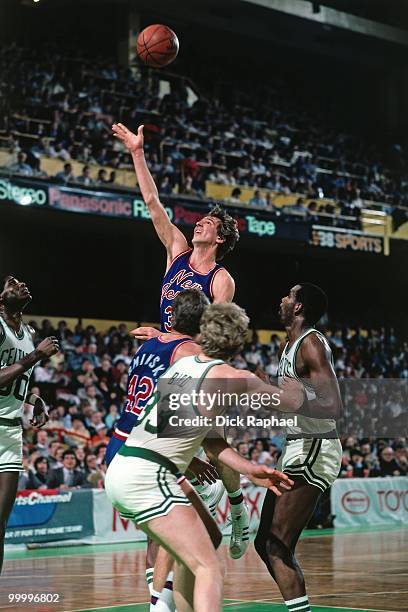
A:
x,y
21,166
67,175
85,177
94,476
257,199
242,448
54,449
37,479
102,178
79,435
112,416
388,464
42,442
68,476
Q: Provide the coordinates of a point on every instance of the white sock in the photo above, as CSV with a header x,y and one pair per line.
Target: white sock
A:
x,y
149,578
161,606
299,604
236,509
166,596
154,599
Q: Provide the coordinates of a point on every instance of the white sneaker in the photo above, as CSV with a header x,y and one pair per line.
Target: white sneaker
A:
x,y
212,495
239,541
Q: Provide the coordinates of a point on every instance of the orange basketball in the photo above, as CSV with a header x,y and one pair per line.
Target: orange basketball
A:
x,y
157,45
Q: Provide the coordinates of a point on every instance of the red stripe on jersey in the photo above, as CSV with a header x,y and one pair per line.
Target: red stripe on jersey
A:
x,y
176,347
120,436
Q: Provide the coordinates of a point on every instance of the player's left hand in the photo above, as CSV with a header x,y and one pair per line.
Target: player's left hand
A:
x,y
40,414
145,333
271,479
203,471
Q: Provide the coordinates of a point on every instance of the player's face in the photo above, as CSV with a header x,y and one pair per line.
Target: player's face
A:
x,y
15,294
206,231
287,306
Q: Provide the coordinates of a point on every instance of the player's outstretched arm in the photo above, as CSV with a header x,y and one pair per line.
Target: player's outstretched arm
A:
x,y
45,349
260,475
288,397
172,238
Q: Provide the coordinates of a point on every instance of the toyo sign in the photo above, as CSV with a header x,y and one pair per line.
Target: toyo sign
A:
x,y
22,195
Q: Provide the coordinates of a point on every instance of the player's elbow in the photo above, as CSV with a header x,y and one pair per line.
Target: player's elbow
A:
x,y
151,200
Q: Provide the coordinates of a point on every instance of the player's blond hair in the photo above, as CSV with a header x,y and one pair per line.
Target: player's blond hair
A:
x,y
223,330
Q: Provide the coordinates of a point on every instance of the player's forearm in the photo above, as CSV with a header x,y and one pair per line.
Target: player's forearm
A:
x,y
144,178
270,396
11,373
322,409
228,456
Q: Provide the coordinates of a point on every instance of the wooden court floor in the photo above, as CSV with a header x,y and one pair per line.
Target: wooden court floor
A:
x,y
349,570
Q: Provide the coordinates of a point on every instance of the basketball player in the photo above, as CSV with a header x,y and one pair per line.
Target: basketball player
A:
x,y
151,360
141,480
215,235
312,454
17,359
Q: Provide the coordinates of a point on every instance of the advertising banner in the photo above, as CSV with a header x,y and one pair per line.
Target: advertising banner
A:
x,y
110,527
337,238
50,515
181,210
369,501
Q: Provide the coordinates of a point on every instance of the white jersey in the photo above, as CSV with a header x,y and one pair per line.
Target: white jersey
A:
x,y
287,368
13,347
186,376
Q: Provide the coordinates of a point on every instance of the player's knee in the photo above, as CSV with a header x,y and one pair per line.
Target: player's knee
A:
x,y
276,548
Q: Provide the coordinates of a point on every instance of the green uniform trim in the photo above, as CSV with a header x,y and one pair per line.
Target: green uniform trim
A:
x,y
150,455
11,422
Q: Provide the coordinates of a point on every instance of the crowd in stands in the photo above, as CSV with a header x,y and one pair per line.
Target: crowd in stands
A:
x,y
63,108
85,385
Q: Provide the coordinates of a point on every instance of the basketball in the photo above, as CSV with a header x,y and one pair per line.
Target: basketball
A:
x,y
157,45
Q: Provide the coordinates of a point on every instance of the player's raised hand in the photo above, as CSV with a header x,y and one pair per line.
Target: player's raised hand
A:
x,y
40,413
47,347
133,142
145,333
203,471
271,479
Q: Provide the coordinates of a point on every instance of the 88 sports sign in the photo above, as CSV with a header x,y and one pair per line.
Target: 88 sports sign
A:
x,y
346,240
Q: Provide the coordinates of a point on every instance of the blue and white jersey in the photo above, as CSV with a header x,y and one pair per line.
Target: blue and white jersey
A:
x,y
179,277
152,359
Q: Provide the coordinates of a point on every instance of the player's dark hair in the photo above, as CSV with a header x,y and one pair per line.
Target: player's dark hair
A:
x,y
4,281
227,230
187,310
67,452
314,302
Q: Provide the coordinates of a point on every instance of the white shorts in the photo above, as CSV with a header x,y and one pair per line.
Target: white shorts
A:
x,y
142,490
11,448
317,461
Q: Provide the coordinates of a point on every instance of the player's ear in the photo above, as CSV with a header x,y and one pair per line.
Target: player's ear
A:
x,y
298,308
219,240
